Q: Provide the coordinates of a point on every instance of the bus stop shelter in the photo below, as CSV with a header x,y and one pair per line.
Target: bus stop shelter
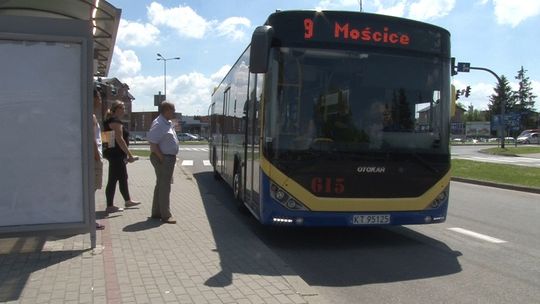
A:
x,y
51,50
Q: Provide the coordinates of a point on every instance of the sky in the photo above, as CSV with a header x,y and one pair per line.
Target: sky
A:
x,y
210,35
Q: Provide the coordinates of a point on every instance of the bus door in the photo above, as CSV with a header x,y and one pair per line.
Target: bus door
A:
x,y
212,115
225,130
252,159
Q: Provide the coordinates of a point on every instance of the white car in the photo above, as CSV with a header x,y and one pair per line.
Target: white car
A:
x,y
186,137
529,138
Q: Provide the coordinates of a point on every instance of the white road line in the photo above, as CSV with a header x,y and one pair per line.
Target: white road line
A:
x,y
187,163
477,235
194,149
206,163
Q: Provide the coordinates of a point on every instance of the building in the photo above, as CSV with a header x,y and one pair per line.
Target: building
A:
x,y
199,125
113,89
142,121
457,121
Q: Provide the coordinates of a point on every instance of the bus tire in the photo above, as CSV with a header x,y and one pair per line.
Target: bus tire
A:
x,y
214,164
237,185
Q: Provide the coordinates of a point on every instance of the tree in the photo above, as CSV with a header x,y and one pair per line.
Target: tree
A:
x,y
524,96
473,114
502,92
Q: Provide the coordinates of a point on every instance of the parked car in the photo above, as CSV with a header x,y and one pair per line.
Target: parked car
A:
x,y
529,138
507,139
525,132
186,137
138,138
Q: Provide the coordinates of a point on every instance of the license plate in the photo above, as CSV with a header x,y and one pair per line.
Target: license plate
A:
x,y
371,219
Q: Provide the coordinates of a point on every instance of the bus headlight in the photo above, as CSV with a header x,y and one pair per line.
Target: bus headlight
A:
x,y
280,195
291,204
440,199
285,199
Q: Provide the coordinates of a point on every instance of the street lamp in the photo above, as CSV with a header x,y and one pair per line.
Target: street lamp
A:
x,y
160,57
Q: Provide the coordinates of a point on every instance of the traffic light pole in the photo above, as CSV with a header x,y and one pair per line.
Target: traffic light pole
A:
x,y
502,122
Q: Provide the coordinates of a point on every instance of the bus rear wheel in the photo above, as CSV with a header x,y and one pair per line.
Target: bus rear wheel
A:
x,y
237,190
237,186
214,163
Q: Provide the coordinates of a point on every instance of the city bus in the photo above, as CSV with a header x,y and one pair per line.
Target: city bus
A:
x,y
333,118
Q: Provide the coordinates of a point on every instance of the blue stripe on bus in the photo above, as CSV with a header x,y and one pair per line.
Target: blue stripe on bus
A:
x,y
271,210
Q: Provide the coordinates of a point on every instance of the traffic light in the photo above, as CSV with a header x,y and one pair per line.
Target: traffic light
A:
x,y
458,92
468,91
453,67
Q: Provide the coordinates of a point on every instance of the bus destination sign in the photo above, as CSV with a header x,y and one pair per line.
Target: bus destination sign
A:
x,y
345,31
330,29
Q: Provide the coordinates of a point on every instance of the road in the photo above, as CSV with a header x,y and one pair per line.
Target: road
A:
x,y
472,153
487,251
468,152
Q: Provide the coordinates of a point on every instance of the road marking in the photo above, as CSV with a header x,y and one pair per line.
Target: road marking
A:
x,y
477,235
194,149
206,163
187,163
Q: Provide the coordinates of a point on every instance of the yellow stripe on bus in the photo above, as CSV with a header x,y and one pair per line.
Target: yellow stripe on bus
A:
x,y
337,204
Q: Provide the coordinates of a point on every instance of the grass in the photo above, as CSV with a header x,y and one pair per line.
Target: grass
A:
x,y
511,151
506,174
141,153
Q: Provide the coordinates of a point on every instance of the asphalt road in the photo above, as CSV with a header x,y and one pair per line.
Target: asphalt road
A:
x,y
487,252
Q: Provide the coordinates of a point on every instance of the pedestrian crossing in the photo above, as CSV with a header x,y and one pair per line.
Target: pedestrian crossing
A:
x,y
194,149
191,163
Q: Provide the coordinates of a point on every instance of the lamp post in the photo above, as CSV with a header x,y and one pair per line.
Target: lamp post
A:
x,y
160,57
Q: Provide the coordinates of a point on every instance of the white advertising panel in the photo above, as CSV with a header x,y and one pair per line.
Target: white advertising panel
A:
x,y
41,121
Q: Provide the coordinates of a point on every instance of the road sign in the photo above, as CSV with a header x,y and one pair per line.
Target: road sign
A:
x,y
511,122
158,99
464,67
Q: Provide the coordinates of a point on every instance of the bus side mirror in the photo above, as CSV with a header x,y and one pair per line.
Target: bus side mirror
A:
x,y
453,101
261,42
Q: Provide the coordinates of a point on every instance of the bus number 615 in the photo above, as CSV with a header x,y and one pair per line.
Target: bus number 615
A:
x,y
328,185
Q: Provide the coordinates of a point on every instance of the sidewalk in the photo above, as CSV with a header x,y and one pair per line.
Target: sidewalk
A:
x,y
207,257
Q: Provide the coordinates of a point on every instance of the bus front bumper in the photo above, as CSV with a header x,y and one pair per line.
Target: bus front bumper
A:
x,y
273,213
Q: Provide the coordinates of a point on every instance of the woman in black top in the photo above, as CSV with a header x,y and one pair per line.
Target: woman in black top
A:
x,y
117,157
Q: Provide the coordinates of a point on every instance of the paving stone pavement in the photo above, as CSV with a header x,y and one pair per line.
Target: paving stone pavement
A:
x,y
207,257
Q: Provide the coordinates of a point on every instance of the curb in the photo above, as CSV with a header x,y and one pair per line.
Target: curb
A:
x,y
483,151
496,185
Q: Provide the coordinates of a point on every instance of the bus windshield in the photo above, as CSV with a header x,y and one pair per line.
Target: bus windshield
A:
x,y
351,101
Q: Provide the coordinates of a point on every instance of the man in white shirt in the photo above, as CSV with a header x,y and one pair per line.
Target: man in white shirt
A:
x,y
164,147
